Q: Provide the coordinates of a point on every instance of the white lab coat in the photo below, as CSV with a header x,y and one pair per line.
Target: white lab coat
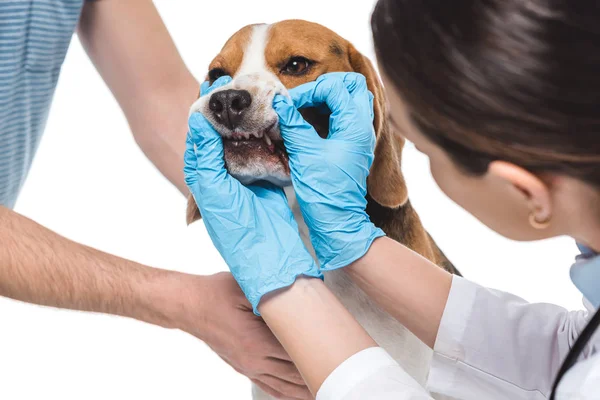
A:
x,y
490,345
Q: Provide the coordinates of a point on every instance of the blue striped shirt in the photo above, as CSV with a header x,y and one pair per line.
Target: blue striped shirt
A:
x,y
34,38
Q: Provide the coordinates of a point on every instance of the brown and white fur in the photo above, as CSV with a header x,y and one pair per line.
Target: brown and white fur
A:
x,y
265,60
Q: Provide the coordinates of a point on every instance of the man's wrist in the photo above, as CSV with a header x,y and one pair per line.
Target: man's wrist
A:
x,y
166,297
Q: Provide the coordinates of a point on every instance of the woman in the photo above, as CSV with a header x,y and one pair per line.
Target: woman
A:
x,y
503,96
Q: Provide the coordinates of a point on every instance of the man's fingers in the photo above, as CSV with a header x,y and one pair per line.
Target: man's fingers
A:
x,y
274,349
271,348
268,390
285,389
285,370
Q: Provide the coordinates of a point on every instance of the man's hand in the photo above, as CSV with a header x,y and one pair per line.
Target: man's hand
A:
x,y
219,314
38,266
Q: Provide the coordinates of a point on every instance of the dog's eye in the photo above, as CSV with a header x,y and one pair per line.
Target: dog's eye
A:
x,y
296,66
216,73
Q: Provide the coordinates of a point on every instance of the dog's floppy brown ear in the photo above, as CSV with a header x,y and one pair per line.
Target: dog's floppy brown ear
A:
x,y
385,183
192,213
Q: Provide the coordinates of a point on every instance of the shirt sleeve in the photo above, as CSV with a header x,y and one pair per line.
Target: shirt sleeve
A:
x,y
494,345
371,374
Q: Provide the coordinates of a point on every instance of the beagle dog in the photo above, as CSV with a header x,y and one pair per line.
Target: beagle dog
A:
x,y
265,60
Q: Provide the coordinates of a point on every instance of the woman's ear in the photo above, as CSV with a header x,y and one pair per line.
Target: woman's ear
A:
x,y
385,183
535,191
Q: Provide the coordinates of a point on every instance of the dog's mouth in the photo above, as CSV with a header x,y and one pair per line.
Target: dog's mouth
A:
x,y
256,146
252,155
260,155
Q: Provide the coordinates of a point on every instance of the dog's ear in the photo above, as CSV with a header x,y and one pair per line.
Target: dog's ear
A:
x,y
192,213
385,183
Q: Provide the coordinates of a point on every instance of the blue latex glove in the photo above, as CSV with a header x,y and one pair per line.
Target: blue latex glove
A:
x,y
252,227
330,175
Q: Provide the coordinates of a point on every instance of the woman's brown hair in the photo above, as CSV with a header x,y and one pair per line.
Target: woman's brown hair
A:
x,y
513,80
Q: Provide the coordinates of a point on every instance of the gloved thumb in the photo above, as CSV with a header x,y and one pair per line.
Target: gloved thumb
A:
x,y
294,129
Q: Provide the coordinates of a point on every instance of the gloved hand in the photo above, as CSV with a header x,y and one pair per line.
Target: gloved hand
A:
x,y
330,175
252,227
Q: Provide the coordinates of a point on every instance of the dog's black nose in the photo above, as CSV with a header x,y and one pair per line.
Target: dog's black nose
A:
x,y
228,106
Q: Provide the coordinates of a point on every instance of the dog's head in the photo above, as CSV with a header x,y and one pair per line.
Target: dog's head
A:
x,y
265,60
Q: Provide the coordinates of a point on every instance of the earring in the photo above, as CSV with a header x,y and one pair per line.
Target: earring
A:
x,y
539,224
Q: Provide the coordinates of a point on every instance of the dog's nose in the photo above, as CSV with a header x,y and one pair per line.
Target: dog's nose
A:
x,y
228,106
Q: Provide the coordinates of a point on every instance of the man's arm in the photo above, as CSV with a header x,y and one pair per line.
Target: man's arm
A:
x,y
135,55
39,266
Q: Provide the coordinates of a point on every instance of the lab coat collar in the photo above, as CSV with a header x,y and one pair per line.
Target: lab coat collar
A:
x,y
585,274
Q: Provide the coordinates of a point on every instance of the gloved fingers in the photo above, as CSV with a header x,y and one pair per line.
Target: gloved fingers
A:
x,y
363,98
207,163
345,115
274,199
204,87
303,95
190,161
268,191
371,108
207,88
355,83
294,129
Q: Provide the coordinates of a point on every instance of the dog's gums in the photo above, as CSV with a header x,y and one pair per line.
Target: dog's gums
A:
x,y
262,149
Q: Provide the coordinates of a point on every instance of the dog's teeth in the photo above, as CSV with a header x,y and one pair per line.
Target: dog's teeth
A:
x,y
246,135
270,144
236,143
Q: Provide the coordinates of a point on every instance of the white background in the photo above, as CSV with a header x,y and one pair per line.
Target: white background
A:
x,y
92,184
